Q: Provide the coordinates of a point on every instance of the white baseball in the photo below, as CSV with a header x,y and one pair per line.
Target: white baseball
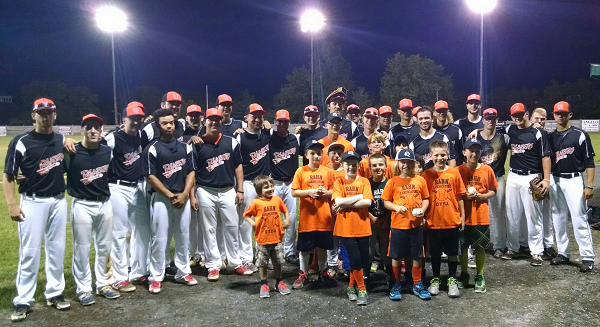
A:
x,y
417,212
472,190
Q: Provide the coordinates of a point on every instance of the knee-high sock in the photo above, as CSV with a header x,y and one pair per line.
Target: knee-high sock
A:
x,y
352,280
304,258
396,273
479,261
452,265
464,262
436,262
359,277
416,272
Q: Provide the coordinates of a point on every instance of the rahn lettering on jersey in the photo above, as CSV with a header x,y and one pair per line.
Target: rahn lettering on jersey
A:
x,y
47,164
132,157
408,187
283,155
173,167
313,177
259,154
441,181
563,153
215,162
475,178
89,175
521,148
352,189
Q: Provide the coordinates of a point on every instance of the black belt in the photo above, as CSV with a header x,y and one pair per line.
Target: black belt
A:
x,y
122,182
284,179
43,195
100,198
523,172
566,175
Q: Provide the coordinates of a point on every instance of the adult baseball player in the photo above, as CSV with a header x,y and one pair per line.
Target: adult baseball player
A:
x,y
386,114
353,114
170,101
91,211
473,119
370,118
453,132
420,144
572,155
312,130
218,170
229,125
335,102
169,168
42,211
283,153
407,126
530,158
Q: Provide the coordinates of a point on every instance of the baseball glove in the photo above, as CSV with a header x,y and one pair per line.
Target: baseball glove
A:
x,y
536,189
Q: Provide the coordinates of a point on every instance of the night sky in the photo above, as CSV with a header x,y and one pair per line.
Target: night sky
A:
x,y
233,45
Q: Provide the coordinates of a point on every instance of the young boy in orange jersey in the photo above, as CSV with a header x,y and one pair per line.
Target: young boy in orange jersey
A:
x,y
268,232
334,124
481,184
334,152
376,144
313,184
446,215
352,197
406,195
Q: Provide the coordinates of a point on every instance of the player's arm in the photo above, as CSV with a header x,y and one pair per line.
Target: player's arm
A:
x,y
159,187
346,202
69,145
8,183
546,166
485,196
461,207
239,179
193,199
425,205
286,221
180,198
250,221
394,207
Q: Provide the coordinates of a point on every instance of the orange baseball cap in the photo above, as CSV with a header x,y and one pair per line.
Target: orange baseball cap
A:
x,y
353,107
405,103
562,106
43,103
91,117
134,111
474,97
193,108
136,104
213,112
414,111
309,110
255,107
517,108
224,98
371,112
172,96
490,113
441,105
385,110
282,115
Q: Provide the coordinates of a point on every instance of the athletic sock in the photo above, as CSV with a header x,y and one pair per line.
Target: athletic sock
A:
x,y
304,258
479,261
416,272
408,272
358,276
436,262
464,262
452,265
322,265
396,273
352,280
263,282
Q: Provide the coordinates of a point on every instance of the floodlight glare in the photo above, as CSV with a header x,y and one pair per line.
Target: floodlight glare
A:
x,y
482,6
111,19
312,21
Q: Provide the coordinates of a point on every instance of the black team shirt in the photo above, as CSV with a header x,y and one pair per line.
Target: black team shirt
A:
x,y
87,172
216,162
456,139
150,132
126,163
229,129
170,162
466,126
255,153
527,147
360,144
283,154
420,146
572,151
493,152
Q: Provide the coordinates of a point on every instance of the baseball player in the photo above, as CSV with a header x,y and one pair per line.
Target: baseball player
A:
x,y
91,211
229,125
353,114
385,119
335,102
283,153
473,119
169,168
170,101
219,188
420,144
359,143
443,124
407,126
193,121
572,154
530,157
42,211
312,131
334,123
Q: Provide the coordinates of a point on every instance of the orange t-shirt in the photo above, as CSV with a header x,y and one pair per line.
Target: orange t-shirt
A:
x,y
483,180
408,192
267,216
365,171
315,214
326,141
445,188
339,173
352,222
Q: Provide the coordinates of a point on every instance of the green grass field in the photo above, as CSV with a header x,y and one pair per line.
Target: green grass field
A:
x,y
9,244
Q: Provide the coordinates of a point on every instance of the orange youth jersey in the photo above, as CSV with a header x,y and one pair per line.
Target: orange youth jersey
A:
x,y
326,141
483,180
445,188
365,171
352,222
267,216
407,192
315,214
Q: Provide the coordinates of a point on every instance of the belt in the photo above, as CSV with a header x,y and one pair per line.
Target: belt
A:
x,y
100,198
566,175
122,182
284,179
43,195
523,172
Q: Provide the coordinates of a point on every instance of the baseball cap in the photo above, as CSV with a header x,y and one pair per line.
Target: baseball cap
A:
x,y
224,98
350,155
517,108
339,93
353,107
441,105
309,110
133,111
415,110
171,96
333,116
193,108
255,107
490,113
335,145
136,104
473,97
43,103
470,142
90,117
371,112
562,106
399,139
385,110
313,144
213,112
282,114
405,103
405,154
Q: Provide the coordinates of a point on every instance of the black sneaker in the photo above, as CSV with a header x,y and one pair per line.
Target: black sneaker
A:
x,y
524,251
293,259
559,260
59,303
549,253
170,271
586,266
20,312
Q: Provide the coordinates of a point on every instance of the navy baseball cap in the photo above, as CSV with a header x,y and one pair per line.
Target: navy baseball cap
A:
x,y
399,139
470,142
334,116
405,154
350,155
335,145
313,144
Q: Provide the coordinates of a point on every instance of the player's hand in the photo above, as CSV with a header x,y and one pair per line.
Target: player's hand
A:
x,y
16,214
266,124
238,131
545,187
299,129
194,204
285,223
239,198
149,118
179,200
103,135
401,209
537,125
588,193
314,193
373,218
196,140
69,145
462,223
384,133
473,134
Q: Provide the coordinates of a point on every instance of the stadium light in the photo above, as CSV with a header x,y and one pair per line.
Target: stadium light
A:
x,y
481,7
312,21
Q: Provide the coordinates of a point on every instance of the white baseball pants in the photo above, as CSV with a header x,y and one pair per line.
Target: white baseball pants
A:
x,y
566,195
518,201
547,223
219,203
245,229
91,219
284,191
498,220
333,255
196,242
44,218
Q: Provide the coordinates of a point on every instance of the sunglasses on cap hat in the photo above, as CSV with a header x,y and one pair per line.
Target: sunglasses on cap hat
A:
x,y
43,103
311,110
371,112
353,107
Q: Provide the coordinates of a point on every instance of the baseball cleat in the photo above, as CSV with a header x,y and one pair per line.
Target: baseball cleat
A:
x,y
509,255
20,312
559,260
250,266
586,266
328,279
362,297
420,291
213,275
463,280
59,303
140,281
170,271
124,286
395,292
498,253
480,284
434,286
536,260
453,291
187,280
352,292
155,287
86,298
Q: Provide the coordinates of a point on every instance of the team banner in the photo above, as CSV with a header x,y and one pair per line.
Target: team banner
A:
x,y
590,125
2,130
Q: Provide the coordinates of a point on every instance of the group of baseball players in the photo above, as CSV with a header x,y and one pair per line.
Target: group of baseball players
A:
x,y
226,191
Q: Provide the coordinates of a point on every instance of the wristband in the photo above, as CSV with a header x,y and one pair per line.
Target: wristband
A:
x,y
547,180
590,187
240,192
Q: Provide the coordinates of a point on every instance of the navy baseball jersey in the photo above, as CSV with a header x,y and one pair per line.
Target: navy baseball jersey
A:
x,y
150,132
420,146
255,153
229,129
456,139
41,160
216,162
126,163
87,171
188,133
410,132
283,153
466,126
349,129
572,151
170,162
360,146
493,152
527,147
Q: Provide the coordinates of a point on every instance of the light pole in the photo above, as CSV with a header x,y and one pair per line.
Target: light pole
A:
x,y
111,20
481,7
312,21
